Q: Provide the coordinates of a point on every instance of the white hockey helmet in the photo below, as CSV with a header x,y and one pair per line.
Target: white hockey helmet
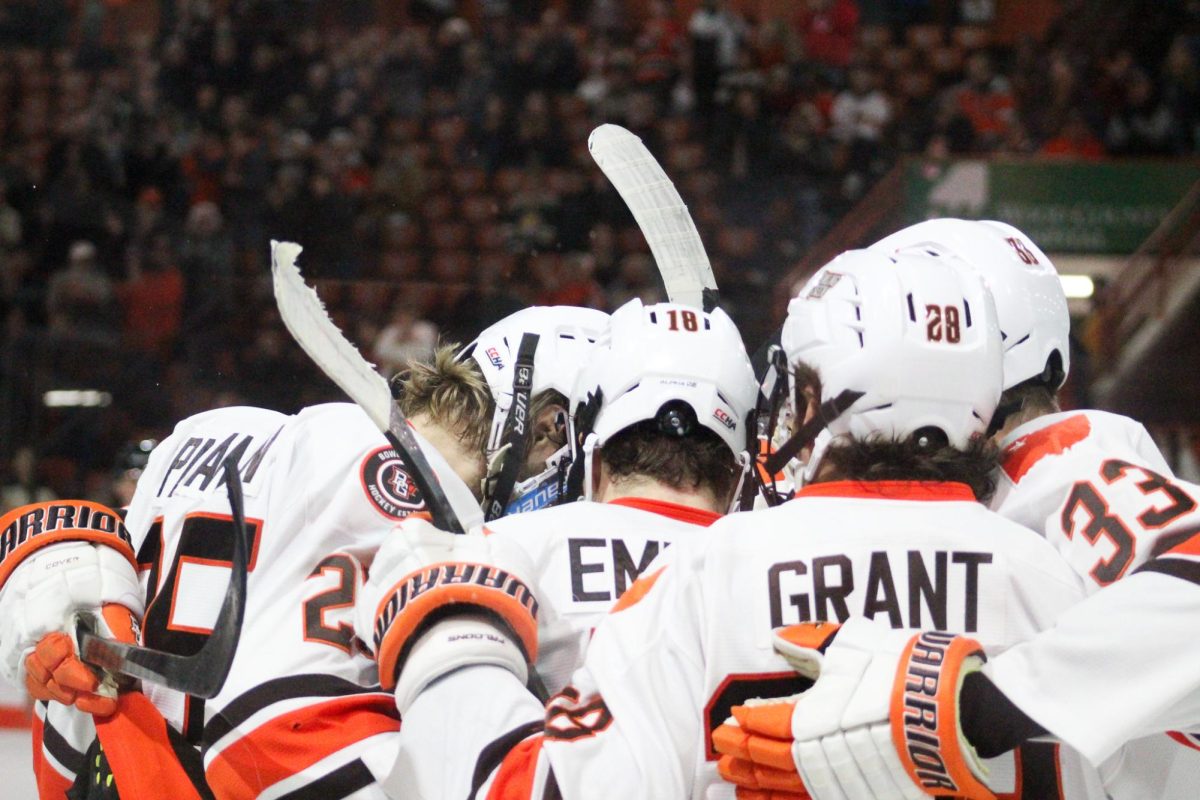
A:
x,y
1034,321
901,343
535,350
667,362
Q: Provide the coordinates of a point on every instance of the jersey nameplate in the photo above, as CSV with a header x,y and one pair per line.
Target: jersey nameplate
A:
x,y
898,586
602,569
196,465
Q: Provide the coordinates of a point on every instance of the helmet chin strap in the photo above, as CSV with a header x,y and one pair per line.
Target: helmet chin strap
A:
x,y
499,486
735,500
589,450
827,412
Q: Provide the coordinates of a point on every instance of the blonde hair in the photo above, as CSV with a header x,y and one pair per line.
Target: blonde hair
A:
x,y
453,394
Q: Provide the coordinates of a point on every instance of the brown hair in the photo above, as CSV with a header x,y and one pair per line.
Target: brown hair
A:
x,y
880,459
1026,401
453,394
699,459
926,455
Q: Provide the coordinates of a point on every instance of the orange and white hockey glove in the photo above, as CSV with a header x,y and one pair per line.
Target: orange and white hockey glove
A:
x,y
436,601
61,561
880,723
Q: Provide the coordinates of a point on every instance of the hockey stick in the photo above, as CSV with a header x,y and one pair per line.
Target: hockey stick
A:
x,y
661,214
203,673
310,326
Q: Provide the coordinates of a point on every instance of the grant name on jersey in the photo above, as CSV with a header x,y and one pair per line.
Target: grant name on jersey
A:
x,y
911,589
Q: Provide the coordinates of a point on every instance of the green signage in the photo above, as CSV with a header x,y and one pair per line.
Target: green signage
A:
x,y
1066,207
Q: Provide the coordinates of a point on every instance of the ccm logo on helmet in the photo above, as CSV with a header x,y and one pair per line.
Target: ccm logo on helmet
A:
x,y
721,416
494,357
54,517
448,577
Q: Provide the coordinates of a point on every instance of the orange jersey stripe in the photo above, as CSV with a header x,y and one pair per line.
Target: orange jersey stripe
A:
x,y
52,785
1020,456
1188,547
295,741
514,778
637,591
139,751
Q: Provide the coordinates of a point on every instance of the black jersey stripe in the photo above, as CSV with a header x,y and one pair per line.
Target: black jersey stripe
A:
x,y
342,782
1181,568
250,703
54,743
491,756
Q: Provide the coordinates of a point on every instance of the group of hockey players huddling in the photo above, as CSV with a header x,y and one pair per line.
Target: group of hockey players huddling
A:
x,y
948,587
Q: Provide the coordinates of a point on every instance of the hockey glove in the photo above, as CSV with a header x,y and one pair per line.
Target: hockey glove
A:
x,y
435,602
61,562
880,722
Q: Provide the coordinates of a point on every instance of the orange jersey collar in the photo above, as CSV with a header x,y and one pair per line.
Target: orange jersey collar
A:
x,y
689,514
891,490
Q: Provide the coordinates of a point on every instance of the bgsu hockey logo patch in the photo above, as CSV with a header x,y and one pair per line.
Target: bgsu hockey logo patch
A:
x,y
388,485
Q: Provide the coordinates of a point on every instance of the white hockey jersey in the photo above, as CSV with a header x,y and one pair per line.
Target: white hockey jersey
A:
x,y
586,556
1095,485
693,638
301,708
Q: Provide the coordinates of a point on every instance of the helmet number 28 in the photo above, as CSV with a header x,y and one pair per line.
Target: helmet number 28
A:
x,y
941,323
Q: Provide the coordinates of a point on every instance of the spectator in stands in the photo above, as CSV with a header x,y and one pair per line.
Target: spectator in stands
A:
x,y
152,297
406,338
861,112
1144,124
986,102
80,298
1074,140
23,484
716,34
1181,91
828,29
637,279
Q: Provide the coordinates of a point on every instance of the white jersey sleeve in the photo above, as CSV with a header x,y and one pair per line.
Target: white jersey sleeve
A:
x,y
1097,488
1121,665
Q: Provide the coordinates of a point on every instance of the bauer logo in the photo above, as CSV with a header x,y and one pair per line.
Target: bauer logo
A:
x,y
388,485
722,416
494,357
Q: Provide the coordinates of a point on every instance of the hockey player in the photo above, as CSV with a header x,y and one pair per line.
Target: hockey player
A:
x,y
659,432
660,435
1097,488
322,490
891,526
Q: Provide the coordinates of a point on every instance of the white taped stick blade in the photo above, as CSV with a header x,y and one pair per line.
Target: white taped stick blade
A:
x,y
307,321
659,211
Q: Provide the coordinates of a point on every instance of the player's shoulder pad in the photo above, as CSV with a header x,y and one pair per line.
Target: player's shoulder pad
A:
x,y
31,527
